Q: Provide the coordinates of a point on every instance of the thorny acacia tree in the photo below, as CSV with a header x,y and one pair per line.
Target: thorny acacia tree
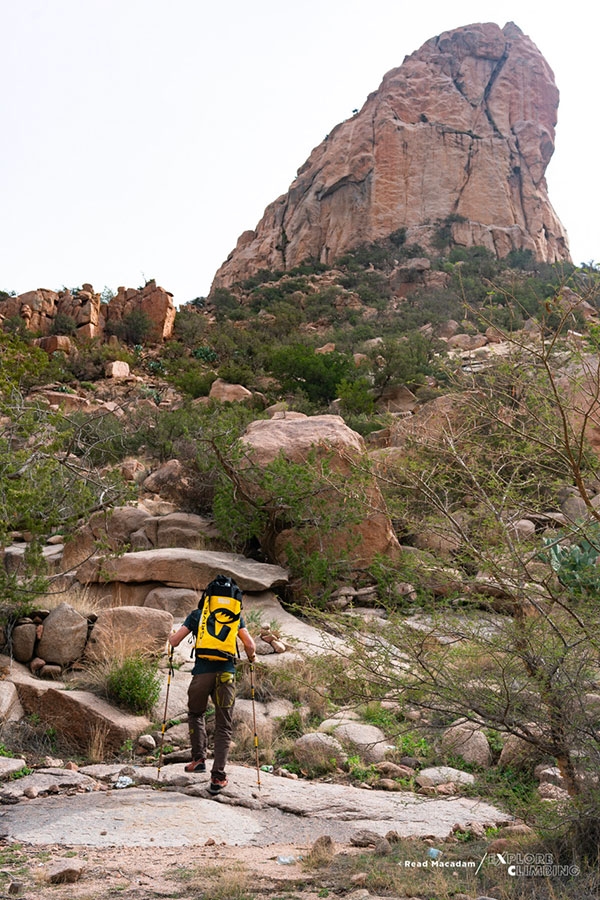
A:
x,y
518,649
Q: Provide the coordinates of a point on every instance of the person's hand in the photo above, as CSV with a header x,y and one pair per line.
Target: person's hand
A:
x,y
251,657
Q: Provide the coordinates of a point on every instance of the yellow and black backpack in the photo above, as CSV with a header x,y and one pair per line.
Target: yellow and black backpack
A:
x,y
221,605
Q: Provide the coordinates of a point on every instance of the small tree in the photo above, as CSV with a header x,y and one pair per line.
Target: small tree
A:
x,y
521,654
134,328
300,368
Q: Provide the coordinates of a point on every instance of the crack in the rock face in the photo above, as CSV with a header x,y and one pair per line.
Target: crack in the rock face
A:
x,y
488,88
446,129
473,148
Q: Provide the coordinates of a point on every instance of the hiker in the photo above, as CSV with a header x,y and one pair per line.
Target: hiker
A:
x,y
213,674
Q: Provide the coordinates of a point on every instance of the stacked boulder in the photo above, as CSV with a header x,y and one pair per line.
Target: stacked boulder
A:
x,y
83,308
51,642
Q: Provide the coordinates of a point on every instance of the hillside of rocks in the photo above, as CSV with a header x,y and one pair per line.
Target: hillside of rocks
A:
x,y
457,137
384,423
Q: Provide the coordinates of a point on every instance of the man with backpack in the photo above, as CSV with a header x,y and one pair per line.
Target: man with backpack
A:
x,y
216,625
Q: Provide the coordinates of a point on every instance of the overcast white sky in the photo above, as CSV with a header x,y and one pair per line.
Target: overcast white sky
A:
x,y
139,138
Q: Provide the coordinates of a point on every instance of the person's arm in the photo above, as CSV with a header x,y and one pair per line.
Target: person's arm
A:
x,y
248,642
176,637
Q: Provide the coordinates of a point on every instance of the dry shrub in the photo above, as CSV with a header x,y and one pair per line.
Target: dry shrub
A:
x,y
320,854
308,682
128,676
244,749
124,637
232,882
96,749
77,596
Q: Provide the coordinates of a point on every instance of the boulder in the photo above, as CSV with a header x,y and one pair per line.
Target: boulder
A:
x,y
63,871
64,636
468,741
177,601
85,717
328,437
519,754
229,393
127,630
153,301
78,548
10,766
55,343
397,398
368,740
10,705
169,481
437,775
117,369
266,716
181,529
466,342
182,568
114,527
23,641
319,752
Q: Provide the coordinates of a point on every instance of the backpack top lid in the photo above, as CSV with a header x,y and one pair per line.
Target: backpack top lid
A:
x,y
221,585
222,581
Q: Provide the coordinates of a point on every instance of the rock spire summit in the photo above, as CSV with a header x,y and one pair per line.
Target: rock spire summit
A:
x,y
459,136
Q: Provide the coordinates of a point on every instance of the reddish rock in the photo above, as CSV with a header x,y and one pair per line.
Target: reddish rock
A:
x,y
327,436
153,301
326,348
23,641
169,481
55,343
459,135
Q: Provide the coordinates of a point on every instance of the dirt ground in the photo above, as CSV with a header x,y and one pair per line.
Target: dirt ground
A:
x,y
215,871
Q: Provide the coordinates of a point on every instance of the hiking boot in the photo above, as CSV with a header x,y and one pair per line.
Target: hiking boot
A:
x,y
217,784
196,765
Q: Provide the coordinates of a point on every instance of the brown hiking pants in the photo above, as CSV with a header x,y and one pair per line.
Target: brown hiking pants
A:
x,y
220,687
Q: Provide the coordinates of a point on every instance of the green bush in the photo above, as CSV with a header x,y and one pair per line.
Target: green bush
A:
x,y
318,375
63,324
204,354
195,382
89,363
134,328
134,684
355,396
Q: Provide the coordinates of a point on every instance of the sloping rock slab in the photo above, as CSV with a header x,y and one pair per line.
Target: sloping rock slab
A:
x,y
182,568
79,713
295,633
283,811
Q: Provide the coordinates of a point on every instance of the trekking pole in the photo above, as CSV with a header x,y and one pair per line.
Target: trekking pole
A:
x,y
164,721
254,721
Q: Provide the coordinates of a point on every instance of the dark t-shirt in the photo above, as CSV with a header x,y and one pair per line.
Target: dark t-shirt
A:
x,y
202,666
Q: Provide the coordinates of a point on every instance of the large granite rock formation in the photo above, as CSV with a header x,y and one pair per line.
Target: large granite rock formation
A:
x,y
458,137
87,313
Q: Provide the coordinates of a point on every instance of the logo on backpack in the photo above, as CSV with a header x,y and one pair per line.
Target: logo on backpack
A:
x,y
221,605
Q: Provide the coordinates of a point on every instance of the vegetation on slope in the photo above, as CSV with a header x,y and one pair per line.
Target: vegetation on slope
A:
x,y
516,434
